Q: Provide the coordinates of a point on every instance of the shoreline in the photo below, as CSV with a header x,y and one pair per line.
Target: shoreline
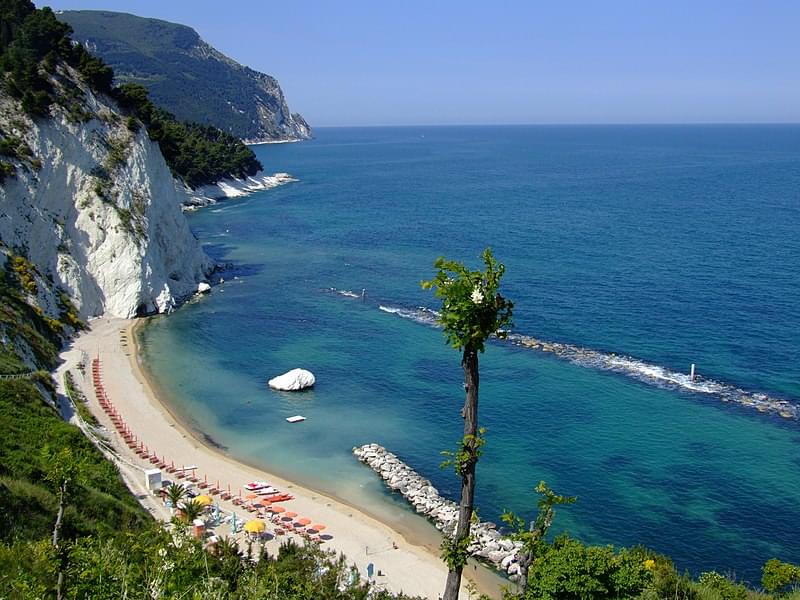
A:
x,y
414,567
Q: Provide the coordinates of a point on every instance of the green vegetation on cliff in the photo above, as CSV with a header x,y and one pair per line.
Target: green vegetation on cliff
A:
x,y
199,154
187,76
33,45
30,422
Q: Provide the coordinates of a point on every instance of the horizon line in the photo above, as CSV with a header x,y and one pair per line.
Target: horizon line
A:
x,y
566,124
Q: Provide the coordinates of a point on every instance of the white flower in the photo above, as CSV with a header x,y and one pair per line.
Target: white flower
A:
x,y
477,295
162,552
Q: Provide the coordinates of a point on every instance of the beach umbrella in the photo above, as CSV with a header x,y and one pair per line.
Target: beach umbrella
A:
x,y
275,508
251,496
290,514
265,501
303,522
204,500
255,526
319,527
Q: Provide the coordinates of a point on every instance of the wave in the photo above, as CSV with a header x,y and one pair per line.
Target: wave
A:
x,y
425,316
345,293
629,366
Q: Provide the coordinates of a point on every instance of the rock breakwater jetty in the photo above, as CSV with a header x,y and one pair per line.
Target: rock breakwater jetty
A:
x,y
488,544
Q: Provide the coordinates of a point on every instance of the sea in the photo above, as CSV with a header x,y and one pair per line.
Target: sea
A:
x,y
632,252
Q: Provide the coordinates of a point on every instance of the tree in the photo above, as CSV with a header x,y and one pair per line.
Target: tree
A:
x,y
191,510
533,538
175,493
472,310
61,469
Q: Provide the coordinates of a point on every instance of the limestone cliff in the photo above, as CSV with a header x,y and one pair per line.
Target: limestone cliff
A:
x,y
92,208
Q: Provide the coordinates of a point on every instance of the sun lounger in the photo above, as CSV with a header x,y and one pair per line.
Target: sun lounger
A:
x,y
256,485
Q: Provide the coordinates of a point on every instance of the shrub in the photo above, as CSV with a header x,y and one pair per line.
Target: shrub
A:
x,y
6,170
24,272
570,570
777,575
725,588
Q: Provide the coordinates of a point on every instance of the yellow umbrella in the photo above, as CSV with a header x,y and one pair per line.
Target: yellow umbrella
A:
x,y
204,500
255,526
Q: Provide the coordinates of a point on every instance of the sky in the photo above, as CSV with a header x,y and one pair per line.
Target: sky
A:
x,y
369,62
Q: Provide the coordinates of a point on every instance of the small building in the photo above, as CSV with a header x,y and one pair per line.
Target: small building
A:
x,y
152,479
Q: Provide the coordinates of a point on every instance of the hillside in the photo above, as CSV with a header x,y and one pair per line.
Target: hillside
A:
x,y
187,76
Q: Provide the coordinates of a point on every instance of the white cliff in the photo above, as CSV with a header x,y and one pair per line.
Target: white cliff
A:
x,y
233,188
96,210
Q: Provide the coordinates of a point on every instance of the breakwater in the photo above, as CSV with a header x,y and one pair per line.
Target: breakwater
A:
x,y
660,376
629,366
487,544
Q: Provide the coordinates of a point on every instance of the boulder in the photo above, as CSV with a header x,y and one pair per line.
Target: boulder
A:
x,y
292,381
506,562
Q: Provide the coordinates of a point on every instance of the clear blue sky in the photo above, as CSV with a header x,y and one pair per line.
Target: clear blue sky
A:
x,y
370,62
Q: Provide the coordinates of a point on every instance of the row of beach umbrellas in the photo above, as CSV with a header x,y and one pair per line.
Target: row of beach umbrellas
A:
x,y
253,526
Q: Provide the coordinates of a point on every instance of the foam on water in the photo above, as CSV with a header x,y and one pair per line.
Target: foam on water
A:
x,y
421,314
640,370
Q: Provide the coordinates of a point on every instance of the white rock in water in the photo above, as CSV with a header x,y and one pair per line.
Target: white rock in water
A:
x,y
296,379
203,288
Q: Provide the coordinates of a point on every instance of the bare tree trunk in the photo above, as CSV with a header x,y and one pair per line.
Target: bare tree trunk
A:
x,y
469,363
62,493
59,515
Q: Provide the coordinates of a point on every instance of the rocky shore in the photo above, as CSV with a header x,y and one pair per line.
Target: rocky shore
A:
x,y
233,188
488,544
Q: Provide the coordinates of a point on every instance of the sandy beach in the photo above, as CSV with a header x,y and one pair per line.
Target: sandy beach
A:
x,y
404,566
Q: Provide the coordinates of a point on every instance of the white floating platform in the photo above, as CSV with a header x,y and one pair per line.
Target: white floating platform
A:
x,y
296,419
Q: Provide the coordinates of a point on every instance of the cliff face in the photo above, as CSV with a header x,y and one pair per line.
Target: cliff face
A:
x,y
94,209
187,76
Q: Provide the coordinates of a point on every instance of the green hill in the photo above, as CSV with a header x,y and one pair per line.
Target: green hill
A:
x,y
186,76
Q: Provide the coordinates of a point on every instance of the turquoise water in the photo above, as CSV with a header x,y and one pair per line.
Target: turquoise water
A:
x,y
673,245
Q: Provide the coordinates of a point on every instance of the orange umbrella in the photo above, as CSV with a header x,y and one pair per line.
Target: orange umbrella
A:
x,y
290,514
251,496
266,501
318,527
303,521
276,509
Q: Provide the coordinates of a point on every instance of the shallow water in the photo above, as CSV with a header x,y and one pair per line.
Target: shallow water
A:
x,y
670,245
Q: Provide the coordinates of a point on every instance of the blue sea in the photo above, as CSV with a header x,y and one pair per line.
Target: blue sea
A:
x,y
665,245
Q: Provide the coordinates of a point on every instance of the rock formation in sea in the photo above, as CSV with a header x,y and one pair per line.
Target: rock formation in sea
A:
x,y
91,211
293,381
187,76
